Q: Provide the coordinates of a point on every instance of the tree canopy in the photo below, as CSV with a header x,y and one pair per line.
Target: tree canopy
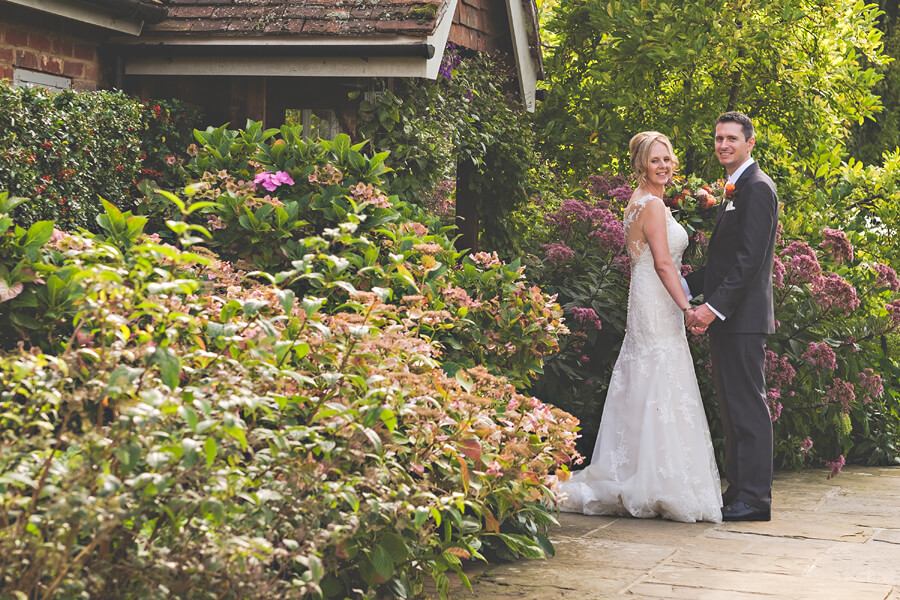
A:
x,y
802,69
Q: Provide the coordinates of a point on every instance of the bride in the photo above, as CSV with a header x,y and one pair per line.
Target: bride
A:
x,y
653,455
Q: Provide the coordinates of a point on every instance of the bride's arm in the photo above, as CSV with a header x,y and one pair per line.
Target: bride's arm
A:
x,y
654,227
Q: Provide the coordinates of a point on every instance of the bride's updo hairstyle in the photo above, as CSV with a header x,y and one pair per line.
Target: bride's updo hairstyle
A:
x,y
640,146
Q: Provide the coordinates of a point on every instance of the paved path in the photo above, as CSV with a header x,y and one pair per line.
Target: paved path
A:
x,y
828,539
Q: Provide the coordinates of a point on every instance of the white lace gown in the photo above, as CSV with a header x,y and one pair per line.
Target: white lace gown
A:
x,y
653,455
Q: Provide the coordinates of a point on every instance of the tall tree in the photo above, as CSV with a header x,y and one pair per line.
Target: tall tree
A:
x,y
872,138
617,67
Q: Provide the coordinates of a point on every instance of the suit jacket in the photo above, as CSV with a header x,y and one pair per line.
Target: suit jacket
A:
x,y
737,278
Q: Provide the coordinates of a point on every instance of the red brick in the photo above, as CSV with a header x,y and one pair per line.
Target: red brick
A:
x,y
63,47
84,86
16,37
26,59
39,42
73,69
51,64
6,55
6,72
84,51
92,73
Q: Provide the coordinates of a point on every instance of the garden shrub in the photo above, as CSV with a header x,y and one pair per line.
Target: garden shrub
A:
x,y
205,433
66,150
259,191
467,115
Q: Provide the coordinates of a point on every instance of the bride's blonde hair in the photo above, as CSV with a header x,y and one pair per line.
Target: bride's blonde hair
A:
x,y
640,146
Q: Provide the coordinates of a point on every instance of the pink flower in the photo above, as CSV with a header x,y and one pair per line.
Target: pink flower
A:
x,y
558,253
887,277
833,291
586,317
841,392
778,271
775,406
871,383
685,269
272,181
836,466
170,160
779,371
806,445
836,241
801,263
894,311
820,355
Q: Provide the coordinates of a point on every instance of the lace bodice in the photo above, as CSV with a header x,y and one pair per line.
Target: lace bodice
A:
x,y
651,310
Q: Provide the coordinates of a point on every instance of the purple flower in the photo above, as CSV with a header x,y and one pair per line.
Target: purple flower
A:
x,y
806,445
775,406
871,383
779,371
820,354
272,181
609,233
833,291
836,241
586,317
894,311
558,253
887,277
836,466
801,263
778,271
841,392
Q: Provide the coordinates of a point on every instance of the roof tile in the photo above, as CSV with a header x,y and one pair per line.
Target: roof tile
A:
x,y
259,18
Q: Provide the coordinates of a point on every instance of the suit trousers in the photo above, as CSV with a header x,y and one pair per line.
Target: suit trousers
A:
x,y
739,373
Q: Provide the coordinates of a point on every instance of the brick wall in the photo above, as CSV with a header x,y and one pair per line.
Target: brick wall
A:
x,y
481,25
41,42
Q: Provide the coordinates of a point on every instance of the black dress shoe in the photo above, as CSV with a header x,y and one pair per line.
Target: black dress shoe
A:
x,y
741,511
729,496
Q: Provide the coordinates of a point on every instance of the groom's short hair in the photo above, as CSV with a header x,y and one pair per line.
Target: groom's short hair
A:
x,y
741,119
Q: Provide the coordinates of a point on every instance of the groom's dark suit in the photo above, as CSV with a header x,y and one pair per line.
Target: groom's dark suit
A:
x,y
737,282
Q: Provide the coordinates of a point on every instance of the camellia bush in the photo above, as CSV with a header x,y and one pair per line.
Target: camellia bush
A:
x,y
68,150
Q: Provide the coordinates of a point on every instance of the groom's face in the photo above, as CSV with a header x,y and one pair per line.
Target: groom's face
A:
x,y
731,147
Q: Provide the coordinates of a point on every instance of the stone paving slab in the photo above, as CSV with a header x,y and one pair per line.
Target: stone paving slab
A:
x,y
829,539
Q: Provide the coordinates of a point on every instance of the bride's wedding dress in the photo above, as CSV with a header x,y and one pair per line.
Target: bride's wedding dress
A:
x,y
653,455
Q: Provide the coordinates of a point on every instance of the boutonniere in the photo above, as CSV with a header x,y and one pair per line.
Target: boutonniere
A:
x,y
729,191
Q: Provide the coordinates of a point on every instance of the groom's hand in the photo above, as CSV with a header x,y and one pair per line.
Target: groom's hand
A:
x,y
698,319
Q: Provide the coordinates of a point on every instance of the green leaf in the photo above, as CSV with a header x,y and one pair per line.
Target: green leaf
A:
x,y
169,366
209,450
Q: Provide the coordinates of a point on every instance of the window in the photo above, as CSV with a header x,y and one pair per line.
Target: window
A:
x,y
54,83
321,123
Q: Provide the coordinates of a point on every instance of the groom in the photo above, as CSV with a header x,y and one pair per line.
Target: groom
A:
x,y
736,284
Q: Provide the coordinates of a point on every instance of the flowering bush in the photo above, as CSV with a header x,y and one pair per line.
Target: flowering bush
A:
x,y
200,434
67,150
832,384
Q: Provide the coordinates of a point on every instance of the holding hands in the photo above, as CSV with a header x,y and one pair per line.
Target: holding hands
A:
x,y
697,319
